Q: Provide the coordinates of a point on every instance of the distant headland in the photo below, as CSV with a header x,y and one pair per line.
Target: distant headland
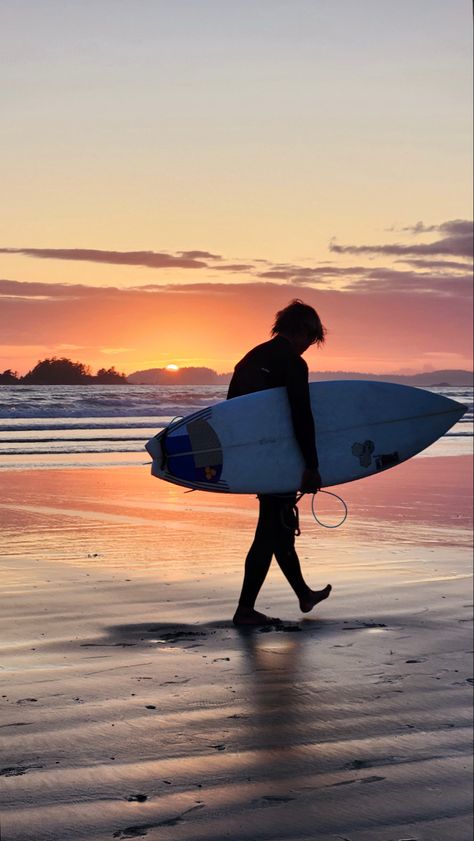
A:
x,y
63,371
206,376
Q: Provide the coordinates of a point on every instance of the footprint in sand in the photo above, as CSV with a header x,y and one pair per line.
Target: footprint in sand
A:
x,y
18,770
373,779
272,800
175,682
275,798
141,830
13,772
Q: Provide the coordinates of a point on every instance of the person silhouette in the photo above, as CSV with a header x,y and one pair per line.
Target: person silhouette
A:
x,y
279,362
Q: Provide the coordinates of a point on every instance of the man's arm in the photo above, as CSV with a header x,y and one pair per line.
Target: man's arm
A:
x,y
297,387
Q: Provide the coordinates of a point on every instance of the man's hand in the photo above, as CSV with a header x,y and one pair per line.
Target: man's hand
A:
x,y
310,481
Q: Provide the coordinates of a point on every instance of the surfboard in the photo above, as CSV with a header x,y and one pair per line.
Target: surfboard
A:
x,y
247,446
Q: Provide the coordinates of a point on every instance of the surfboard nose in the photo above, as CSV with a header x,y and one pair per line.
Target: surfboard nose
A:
x,y
455,405
459,408
455,411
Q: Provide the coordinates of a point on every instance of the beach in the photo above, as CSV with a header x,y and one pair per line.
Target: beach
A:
x,y
131,707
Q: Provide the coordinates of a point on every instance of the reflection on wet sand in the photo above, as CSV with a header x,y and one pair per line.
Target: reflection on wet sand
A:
x,y
275,686
132,707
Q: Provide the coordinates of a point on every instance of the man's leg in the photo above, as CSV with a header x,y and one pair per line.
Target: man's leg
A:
x,y
275,534
257,564
286,525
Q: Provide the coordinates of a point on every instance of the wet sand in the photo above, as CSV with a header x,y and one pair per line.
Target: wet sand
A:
x,y
131,707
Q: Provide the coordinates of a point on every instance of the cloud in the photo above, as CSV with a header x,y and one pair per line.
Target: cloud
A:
x,y
386,281
459,246
187,288
438,278
115,350
310,274
51,291
457,243
197,255
454,226
437,265
234,267
150,259
66,346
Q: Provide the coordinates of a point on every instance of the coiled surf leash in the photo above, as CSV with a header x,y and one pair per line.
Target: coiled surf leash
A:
x,y
313,509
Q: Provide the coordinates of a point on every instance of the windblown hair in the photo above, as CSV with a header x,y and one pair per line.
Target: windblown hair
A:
x,y
297,316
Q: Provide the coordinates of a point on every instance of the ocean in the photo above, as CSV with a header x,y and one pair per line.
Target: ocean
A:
x,y
102,426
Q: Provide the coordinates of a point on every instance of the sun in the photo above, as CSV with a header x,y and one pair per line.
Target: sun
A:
x,y
172,367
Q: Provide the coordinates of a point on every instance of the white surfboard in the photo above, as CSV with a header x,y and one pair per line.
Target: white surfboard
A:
x,y
247,445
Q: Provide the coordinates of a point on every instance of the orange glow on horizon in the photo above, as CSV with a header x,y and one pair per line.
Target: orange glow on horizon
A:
x,y
214,326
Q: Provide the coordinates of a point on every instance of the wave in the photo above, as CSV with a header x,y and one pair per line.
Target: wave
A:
x,y
92,402
23,425
139,448
117,439
105,401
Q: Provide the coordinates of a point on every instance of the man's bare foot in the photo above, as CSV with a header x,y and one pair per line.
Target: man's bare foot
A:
x,y
313,598
248,616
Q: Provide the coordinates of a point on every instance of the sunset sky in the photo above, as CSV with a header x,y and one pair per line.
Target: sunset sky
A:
x,y
174,172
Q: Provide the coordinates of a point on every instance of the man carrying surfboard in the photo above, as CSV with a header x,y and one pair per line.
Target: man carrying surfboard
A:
x,y
275,363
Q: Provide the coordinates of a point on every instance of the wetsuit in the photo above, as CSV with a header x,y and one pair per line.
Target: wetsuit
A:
x,y
269,365
276,363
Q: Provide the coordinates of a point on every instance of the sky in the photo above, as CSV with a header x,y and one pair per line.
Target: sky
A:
x,y
173,173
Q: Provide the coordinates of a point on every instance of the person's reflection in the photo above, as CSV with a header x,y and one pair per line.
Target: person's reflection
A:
x,y
280,708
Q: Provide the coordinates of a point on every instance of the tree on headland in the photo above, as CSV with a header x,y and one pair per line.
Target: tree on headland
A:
x,y
58,372
109,376
9,377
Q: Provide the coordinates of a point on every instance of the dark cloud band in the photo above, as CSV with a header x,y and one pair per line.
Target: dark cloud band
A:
x,y
150,259
458,243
